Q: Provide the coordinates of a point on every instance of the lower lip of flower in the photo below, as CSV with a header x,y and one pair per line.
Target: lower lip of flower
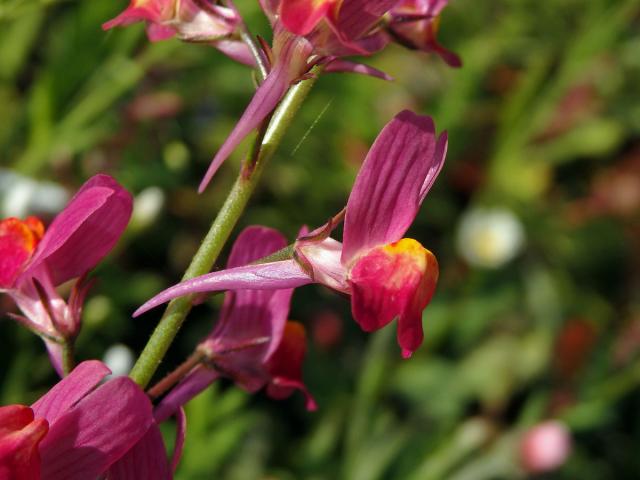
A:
x,y
391,279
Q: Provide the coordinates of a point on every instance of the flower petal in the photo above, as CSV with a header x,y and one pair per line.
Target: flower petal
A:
x,y
71,389
301,16
18,240
254,243
141,11
98,431
247,313
147,459
285,365
386,194
181,433
291,57
20,435
236,50
346,66
84,232
266,276
356,17
436,166
394,280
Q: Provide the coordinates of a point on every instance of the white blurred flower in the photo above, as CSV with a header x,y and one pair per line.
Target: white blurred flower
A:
x,y
545,447
489,237
21,196
146,207
119,358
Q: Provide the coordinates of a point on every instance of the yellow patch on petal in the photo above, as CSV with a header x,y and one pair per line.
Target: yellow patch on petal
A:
x,y
410,258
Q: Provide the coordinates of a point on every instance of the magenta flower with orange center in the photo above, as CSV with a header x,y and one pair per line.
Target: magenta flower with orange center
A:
x,y
387,276
81,430
34,262
202,21
252,343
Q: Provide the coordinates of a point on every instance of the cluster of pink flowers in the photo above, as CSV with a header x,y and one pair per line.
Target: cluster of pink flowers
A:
x,y
67,434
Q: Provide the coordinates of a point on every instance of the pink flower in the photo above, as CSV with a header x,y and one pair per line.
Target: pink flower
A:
x,y
34,262
252,343
414,24
189,20
79,429
387,276
308,32
545,447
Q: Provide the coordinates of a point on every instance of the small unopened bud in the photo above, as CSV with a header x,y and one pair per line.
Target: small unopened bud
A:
x,y
545,447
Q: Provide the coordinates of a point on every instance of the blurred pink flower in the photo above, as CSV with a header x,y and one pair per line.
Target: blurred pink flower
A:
x,y
252,343
189,20
34,262
79,429
387,276
545,447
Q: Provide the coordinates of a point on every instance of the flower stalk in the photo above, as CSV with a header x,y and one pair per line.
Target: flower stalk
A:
x,y
264,147
68,357
176,375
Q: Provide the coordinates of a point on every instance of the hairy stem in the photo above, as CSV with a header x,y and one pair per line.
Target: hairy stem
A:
x,y
176,375
265,145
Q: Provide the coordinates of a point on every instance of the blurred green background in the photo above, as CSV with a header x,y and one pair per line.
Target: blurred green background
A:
x,y
535,222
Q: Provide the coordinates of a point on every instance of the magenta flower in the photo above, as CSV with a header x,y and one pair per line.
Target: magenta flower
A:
x,y
387,276
79,429
252,343
33,262
189,20
414,24
307,33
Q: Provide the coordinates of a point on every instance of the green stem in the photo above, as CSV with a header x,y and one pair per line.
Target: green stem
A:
x,y
68,357
265,146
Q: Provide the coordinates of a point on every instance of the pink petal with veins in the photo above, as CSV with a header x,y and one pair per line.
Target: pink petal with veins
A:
x,y
386,195
147,459
70,390
84,232
88,438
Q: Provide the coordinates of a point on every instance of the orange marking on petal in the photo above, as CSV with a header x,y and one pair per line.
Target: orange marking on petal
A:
x,y
394,280
18,240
